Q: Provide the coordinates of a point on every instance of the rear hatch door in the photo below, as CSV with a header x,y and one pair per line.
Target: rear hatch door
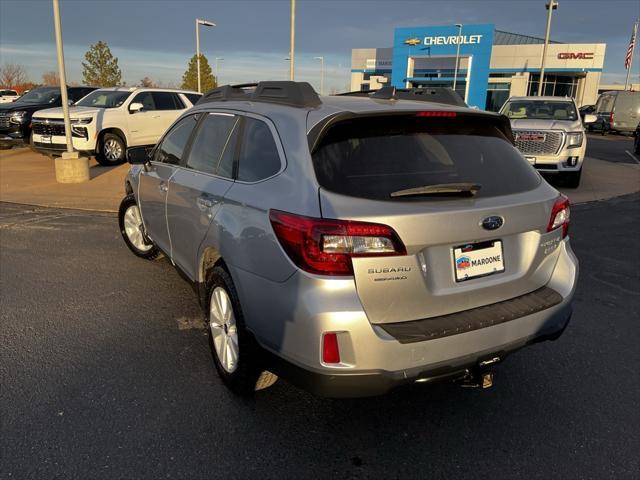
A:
x,y
465,248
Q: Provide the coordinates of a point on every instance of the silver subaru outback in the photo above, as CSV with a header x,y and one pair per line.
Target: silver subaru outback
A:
x,y
353,244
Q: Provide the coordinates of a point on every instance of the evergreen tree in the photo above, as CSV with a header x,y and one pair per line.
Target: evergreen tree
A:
x,y
190,77
101,67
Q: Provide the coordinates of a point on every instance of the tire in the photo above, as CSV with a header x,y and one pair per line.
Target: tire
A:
x,y
238,358
132,230
636,143
111,150
572,179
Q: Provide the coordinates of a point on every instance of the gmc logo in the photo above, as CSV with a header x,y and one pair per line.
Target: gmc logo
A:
x,y
575,56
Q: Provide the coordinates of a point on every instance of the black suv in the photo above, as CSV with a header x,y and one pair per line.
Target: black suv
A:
x,y
15,117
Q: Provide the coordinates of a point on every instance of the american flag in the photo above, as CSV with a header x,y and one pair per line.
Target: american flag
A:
x,y
632,44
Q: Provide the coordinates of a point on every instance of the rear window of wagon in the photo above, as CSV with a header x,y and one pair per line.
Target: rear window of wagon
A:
x,y
371,157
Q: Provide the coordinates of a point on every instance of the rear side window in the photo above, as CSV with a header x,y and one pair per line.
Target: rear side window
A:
x,y
376,156
174,143
259,158
167,101
213,146
193,97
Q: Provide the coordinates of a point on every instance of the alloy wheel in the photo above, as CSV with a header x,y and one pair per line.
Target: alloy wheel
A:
x,y
112,150
133,229
224,330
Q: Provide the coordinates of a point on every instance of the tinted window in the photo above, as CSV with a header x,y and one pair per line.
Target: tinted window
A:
x,y
373,157
193,97
167,101
146,99
259,158
213,146
174,143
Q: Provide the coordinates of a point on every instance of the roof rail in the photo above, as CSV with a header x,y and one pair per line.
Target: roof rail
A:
x,y
429,94
294,94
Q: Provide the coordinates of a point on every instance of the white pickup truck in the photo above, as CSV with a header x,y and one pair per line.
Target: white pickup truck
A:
x,y
109,120
7,96
548,131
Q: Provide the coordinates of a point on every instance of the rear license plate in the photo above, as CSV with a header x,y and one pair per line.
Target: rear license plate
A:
x,y
45,138
478,260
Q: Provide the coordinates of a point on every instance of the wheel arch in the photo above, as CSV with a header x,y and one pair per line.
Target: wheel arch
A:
x,y
210,257
114,130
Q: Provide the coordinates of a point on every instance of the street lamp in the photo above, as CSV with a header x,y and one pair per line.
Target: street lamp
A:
x,y
70,168
551,6
218,59
292,41
455,72
206,23
321,73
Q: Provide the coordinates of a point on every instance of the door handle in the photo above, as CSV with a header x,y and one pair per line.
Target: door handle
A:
x,y
204,203
155,116
163,187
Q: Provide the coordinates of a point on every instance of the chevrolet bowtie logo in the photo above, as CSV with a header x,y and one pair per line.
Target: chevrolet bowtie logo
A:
x,y
413,41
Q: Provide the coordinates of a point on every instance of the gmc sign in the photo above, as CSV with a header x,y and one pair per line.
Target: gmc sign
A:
x,y
575,56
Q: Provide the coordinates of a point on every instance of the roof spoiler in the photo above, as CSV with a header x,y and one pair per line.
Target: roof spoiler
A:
x,y
429,94
294,94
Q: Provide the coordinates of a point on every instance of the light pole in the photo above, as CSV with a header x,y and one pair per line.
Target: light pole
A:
x,y
292,47
218,59
321,73
551,6
70,168
455,71
206,23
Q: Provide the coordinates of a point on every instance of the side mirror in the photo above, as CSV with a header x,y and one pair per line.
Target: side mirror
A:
x,y
69,102
138,155
135,107
590,118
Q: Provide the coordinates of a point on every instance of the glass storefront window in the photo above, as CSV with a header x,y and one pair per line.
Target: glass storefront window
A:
x,y
554,85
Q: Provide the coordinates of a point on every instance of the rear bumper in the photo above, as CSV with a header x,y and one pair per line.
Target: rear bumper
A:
x,y
379,382
289,318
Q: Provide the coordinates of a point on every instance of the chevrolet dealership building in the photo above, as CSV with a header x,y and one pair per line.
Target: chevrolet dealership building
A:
x,y
492,64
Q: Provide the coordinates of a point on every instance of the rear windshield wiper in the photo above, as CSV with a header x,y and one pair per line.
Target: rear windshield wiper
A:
x,y
464,188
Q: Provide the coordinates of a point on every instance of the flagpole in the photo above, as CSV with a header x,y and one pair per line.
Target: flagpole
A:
x,y
633,48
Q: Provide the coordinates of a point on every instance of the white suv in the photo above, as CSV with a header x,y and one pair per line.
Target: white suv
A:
x,y
7,96
108,120
548,131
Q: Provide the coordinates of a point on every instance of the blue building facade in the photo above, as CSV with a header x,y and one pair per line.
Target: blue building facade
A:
x,y
421,55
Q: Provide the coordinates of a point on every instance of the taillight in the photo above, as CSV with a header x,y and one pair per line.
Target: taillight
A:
x,y
435,114
330,350
326,247
560,214
611,119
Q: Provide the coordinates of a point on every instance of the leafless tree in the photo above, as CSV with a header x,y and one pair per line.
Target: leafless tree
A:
x,y
12,74
51,78
148,83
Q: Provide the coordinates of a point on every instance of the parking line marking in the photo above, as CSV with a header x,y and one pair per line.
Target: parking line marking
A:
x,y
632,156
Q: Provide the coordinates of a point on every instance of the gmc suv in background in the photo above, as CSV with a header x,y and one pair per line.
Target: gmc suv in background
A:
x,y
109,120
550,134
15,117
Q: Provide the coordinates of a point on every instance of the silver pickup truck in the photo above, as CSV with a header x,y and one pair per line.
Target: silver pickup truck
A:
x,y
548,131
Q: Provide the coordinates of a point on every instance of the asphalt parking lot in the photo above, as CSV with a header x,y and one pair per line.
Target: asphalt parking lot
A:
x,y
106,373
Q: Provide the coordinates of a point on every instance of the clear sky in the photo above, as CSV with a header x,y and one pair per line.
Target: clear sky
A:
x,y
156,38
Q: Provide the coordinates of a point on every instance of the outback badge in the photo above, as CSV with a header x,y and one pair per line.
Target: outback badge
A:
x,y
493,222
